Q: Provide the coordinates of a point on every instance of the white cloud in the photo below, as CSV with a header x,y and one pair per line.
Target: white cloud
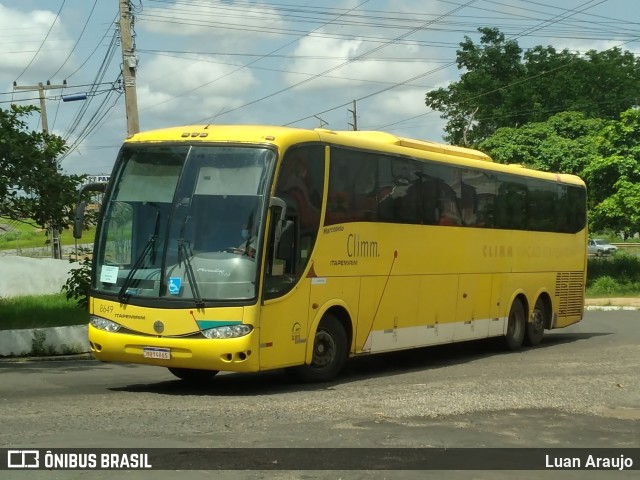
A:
x,y
180,89
392,64
23,33
174,91
227,21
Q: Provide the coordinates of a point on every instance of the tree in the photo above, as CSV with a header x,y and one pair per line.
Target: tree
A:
x,y
614,177
605,153
32,185
502,87
565,143
489,68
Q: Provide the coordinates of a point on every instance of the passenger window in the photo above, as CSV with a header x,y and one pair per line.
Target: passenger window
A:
x,y
448,186
400,195
353,183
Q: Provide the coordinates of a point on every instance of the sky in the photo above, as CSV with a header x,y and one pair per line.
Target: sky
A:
x,y
304,63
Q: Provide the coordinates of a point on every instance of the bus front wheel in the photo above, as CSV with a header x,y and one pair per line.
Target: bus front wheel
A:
x,y
192,375
330,352
516,326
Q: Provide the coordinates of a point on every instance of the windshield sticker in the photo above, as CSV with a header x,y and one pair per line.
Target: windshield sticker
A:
x,y
109,274
175,283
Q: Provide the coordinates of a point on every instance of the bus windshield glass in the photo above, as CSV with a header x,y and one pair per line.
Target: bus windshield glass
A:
x,y
184,223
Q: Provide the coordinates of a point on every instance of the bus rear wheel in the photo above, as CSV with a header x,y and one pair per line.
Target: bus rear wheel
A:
x,y
192,375
535,326
330,352
516,326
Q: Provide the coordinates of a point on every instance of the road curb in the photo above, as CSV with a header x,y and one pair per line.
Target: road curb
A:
x,y
44,342
609,308
55,358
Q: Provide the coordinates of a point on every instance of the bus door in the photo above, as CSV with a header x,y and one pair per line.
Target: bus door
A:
x,y
284,324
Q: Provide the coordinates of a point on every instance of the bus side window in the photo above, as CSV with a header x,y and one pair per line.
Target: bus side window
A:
x,y
448,208
511,205
401,202
365,189
430,214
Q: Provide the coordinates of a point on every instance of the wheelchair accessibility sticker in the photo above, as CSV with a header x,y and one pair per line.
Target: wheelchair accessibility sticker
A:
x,y
175,283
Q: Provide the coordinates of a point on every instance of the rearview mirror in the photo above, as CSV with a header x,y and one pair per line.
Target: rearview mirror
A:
x,y
81,205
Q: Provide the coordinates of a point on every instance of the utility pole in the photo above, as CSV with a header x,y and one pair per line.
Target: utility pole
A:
x,y
322,122
43,107
129,65
54,233
354,112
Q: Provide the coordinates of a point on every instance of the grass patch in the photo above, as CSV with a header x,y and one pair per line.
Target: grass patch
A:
x,y
27,235
614,276
40,311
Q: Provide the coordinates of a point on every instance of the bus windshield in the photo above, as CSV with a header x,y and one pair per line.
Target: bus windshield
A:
x,y
184,223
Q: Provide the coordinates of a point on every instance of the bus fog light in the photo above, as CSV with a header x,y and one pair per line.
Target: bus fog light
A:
x,y
104,324
230,331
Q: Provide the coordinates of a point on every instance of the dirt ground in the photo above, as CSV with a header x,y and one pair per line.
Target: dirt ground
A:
x,y
613,302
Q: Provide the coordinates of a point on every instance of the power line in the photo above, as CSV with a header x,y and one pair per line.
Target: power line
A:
x,y
108,57
502,88
43,41
240,68
253,67
77,41
198,14
529,30
358,57
94,50
75,86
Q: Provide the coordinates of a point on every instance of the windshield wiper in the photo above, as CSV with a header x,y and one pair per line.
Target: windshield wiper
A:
x,y
185,253
150,247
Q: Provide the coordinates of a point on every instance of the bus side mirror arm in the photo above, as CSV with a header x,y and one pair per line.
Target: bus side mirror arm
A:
x,y
78,220
278,202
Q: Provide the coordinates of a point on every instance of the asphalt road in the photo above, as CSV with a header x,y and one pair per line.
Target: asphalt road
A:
x,y
579,389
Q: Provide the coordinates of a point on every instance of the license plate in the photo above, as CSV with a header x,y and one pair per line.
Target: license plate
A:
x,y
161,353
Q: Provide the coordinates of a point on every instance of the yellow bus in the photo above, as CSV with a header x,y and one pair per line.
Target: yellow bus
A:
x,y
250,248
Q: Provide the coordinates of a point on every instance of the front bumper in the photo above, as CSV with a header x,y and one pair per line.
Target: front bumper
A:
x,y
232,354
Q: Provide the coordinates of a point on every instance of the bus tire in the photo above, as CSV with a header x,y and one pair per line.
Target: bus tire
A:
x,y
192,375
516,326
535,325
330,352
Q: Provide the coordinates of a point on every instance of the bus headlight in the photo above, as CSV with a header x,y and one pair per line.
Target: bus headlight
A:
x,y
104,324
230,331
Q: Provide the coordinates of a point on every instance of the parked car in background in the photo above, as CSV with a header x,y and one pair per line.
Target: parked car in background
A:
x,y
600,247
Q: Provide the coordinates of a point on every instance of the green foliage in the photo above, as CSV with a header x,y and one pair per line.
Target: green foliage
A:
x,y
615,275
622,267
11,238
40,311
79,282
32,184
605,286
614,177
564,143
502,87
38,347
26,234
